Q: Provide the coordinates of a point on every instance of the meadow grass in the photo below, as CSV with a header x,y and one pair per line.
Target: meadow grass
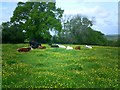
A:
x,y
59,68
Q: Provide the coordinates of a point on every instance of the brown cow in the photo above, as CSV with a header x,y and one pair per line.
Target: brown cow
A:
x,y
42,47
77,47
24,49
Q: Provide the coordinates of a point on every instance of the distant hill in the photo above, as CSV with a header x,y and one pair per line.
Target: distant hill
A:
x,y
113,37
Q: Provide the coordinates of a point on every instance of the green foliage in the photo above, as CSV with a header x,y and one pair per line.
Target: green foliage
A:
x,y
37,19
60,68
113,37
78,30
114,43
12,34
113,40
90,36
118,43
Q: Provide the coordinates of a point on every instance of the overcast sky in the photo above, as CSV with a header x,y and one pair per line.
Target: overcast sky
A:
x,y
104,12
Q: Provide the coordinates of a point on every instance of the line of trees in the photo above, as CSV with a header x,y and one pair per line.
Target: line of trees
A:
x,y
33,20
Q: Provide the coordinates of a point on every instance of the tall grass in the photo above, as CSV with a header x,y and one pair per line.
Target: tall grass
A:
x,y
59,68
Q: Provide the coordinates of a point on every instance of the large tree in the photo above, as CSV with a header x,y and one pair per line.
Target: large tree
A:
x,y
37,19
73,27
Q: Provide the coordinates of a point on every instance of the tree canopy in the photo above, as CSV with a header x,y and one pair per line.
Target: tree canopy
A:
x,y
79,30
36,19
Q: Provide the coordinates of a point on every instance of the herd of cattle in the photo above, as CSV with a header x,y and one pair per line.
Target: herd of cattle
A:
x,y
27,49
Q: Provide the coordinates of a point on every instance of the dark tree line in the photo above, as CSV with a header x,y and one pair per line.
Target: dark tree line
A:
x,y
12,34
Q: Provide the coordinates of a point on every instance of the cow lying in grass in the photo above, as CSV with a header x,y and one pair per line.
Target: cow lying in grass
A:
x,y
34,44
61,46
24,49
77,48
90,47
42,47
69,48
54,45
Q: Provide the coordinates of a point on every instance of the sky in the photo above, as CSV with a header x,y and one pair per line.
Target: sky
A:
x,y
103,12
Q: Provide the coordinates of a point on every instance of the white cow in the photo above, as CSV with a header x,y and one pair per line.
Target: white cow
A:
x,y
69,48
90,47
61,46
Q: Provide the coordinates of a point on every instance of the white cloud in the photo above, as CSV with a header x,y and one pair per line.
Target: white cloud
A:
x,y
105,15
79,1
95,11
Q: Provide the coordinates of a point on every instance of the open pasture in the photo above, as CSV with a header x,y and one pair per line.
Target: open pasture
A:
x,y
59,68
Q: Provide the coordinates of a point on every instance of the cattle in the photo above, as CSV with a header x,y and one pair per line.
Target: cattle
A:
x,y
24,49
77,48
54,45
42,47
34,44
61,46
90,47
69,48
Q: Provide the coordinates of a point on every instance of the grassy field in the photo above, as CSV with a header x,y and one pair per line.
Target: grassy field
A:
x,y
59,68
